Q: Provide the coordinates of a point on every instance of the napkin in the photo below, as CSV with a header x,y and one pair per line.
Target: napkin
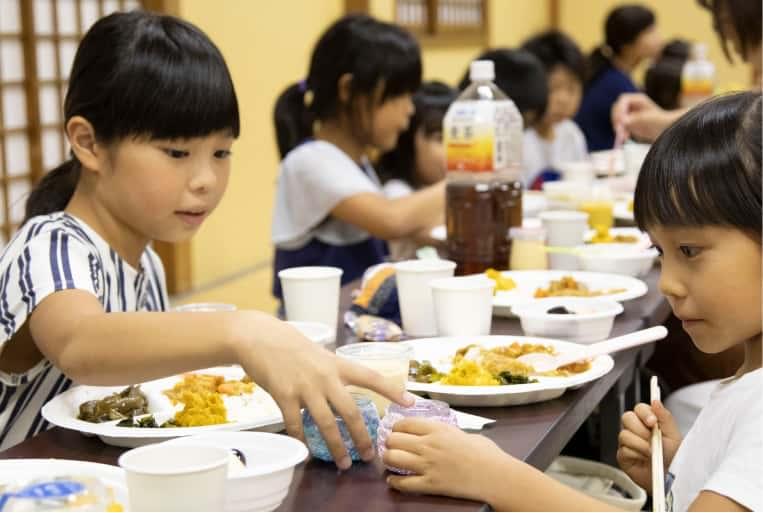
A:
x,y
471,422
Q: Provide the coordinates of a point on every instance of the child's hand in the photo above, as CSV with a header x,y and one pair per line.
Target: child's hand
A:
x,y
297,372
446,460
634,453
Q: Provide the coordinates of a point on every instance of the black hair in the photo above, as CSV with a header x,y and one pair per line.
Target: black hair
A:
x,y
140,74
520,75
623,26
705,169
744,15
662,81
375,53
554,48
431,101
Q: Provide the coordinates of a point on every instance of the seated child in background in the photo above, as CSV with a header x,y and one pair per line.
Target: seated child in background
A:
x,y
522,77
418,160
662,82
556,138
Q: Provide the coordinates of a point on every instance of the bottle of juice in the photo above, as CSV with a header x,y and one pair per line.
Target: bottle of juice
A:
x,y
697,77
482,133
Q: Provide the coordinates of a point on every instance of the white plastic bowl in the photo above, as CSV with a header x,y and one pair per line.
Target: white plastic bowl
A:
x,y
628,259
270,460
315,331
593,323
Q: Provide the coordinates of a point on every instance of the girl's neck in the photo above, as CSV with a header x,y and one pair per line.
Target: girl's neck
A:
x,y
336,133
626,62
753,358
122,238
545,130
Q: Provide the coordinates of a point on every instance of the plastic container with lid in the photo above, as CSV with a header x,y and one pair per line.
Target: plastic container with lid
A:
x,y
422,408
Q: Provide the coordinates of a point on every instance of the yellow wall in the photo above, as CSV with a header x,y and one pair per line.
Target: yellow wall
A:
x,y
267,46
675,18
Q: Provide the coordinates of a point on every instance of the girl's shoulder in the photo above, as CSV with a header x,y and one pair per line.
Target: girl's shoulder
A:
x,y
56,229
313,152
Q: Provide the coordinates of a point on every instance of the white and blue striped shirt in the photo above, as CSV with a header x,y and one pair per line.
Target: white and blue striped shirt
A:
x,y
48,254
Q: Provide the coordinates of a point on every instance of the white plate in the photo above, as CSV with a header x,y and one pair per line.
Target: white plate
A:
x,y
620,211
529,281
251,411
643,238
441,233
439,351
21,470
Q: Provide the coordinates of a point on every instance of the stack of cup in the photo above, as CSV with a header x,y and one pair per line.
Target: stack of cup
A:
x,y
311,294
415,294
564,228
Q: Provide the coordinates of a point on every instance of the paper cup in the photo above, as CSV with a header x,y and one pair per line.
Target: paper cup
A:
x,y
415,296
564,228
311,294
176,478
463,305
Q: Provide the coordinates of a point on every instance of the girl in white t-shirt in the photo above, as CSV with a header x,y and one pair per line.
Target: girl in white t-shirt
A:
x,y
699,199
150,114
555,138
330,208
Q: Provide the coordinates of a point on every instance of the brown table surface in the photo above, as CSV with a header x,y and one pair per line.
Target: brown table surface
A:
x,y
535,433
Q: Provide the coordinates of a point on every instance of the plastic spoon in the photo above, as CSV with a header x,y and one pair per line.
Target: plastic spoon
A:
x,y
544,362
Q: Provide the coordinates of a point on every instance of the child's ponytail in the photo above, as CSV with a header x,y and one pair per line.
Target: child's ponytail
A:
x,y
292,117
54,191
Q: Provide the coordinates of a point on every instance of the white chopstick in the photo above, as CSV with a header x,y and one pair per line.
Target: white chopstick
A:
x,y
658,472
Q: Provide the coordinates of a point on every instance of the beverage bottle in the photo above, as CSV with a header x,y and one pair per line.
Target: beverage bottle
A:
x,y
482,134
697,77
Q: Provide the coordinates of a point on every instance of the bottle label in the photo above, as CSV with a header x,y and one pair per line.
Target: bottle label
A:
x,y
477,136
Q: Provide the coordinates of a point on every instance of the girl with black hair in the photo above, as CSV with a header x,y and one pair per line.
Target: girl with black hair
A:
x,y
699,198
418,160
738,24
630,37
662,81
80,286
356,99
556,138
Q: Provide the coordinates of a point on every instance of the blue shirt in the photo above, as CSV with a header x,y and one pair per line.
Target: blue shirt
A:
x,y
594,117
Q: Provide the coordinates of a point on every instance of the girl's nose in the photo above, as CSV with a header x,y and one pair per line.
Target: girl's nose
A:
x,y
670,285
204,179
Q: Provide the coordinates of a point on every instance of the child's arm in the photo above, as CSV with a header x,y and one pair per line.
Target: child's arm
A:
x,y
93,347
448,461
634,453
394,218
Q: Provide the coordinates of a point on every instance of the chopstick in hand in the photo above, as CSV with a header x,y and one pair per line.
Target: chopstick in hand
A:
x,y
658,471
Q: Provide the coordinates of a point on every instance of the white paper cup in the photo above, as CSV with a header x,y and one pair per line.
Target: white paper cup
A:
x,y
176,478
578,171
311,294
565,228
415,295
463,305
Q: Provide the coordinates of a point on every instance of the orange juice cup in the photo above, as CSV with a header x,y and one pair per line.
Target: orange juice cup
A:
x,y
600,214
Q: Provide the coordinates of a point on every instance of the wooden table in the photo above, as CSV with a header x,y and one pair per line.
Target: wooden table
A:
x,y
534,433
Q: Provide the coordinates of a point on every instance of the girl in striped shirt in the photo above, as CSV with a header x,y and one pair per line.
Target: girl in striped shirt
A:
x,y
150,114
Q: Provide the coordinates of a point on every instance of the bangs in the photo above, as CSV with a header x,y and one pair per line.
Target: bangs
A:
x,y
700,173
174,85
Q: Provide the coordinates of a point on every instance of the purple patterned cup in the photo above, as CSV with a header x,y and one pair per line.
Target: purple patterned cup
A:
x,y
422,408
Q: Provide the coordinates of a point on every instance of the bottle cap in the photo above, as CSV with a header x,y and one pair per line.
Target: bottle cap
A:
x,y
481,70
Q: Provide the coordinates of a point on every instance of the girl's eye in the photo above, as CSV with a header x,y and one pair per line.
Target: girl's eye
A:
x,y
222,154
175,154
658,248
689,251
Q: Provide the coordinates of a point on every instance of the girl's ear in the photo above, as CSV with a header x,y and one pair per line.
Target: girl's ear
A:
x,y
344,88
81,136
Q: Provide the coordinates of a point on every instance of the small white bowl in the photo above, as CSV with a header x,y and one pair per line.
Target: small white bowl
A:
x,y
593,323
315,331
628,259
264,482
565,194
